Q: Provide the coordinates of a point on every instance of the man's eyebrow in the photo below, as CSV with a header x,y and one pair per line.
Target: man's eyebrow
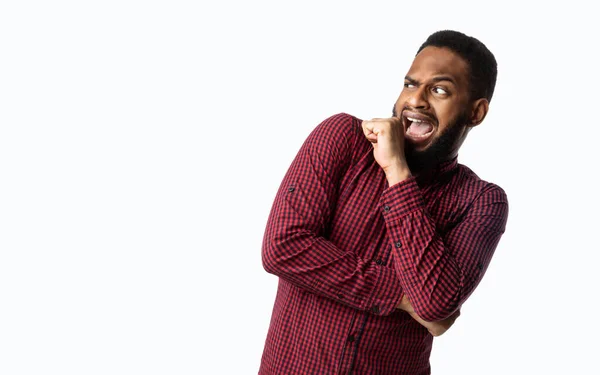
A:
x,y
444,78
434,79
411,80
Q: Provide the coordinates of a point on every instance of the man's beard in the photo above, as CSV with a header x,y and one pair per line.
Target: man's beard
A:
x,y
439,151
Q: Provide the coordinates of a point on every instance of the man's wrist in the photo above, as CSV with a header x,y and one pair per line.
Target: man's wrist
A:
x,y
397,173
405,304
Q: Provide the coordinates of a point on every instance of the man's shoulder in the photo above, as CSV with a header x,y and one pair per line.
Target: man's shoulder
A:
x,y
341,131
342,121
476,186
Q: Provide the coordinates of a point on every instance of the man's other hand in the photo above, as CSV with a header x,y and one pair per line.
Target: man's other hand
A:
x,y
437,328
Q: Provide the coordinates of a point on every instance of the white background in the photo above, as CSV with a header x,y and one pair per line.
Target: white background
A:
x,y
142,143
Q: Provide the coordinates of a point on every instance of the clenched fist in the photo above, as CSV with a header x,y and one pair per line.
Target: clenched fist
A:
x,y
387,137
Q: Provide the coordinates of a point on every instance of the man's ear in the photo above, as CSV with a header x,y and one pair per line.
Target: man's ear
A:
x,y
478,112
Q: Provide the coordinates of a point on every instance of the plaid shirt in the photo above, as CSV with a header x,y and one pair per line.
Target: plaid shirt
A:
x,y
346,247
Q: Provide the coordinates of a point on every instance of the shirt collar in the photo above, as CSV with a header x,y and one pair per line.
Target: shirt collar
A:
x,y
438,172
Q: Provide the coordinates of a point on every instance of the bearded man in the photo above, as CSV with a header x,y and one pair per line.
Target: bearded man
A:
x,y
377,234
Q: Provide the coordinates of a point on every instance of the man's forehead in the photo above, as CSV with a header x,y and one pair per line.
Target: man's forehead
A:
x,y
435,61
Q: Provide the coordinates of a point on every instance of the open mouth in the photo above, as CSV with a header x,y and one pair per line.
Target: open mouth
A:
x,y
418,128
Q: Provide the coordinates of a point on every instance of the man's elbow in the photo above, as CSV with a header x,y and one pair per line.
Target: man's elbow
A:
x,y
268,261
271,259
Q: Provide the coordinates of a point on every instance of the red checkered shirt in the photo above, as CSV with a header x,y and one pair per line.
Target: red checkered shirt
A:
x,y
346,247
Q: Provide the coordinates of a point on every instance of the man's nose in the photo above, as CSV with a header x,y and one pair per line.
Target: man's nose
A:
x,y
418,98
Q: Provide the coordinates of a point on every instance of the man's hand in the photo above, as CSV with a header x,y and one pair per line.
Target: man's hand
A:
x,y
435,328
387,137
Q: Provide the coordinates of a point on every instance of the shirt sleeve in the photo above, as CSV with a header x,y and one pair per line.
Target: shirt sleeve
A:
x,y
294,247
439,273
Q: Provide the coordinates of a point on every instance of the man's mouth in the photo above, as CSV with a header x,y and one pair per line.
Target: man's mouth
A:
x,y
418,128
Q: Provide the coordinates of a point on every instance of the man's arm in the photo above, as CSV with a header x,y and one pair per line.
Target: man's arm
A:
x,y
293,244
439,274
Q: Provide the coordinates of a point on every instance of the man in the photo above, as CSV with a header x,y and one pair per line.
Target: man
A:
x,y
377,234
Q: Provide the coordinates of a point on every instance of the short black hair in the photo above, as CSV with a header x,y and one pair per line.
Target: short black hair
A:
x,y
482,63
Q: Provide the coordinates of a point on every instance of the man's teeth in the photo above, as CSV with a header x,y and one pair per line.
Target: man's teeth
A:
x,y
413,119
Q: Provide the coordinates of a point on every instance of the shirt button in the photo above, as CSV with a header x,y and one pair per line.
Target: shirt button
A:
x,y
379,261
398,244
375,309
386,207
351,338
291,189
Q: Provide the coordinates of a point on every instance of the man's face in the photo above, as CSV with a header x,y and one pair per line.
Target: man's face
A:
x,y
434,107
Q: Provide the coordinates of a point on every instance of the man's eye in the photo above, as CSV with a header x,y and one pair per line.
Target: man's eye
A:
x,y
439,90
409,85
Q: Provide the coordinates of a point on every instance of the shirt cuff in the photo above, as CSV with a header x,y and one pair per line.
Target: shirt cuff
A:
x,y
388,292
401,199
